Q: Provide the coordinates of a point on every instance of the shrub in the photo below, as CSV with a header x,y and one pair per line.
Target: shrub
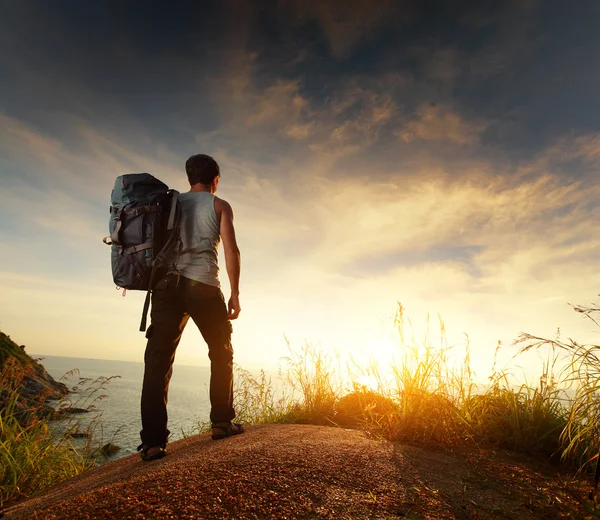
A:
x,y
364,408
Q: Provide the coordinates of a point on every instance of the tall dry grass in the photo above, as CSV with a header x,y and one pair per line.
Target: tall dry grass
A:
x,y
580,437
31,456
431,400
40,445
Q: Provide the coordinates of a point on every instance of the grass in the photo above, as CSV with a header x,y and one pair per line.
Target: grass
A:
x,y
31,456
580,438
36,451
10,350
430,401
427,400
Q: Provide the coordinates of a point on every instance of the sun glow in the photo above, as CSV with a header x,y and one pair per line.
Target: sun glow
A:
x,y
368,382
383,350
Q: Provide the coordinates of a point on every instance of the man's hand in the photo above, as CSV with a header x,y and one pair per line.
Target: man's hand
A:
x,y
233,307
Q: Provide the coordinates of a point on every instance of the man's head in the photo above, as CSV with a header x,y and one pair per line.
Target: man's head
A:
x,y
203,169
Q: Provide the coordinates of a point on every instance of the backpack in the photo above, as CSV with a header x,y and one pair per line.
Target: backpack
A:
x,y
144,229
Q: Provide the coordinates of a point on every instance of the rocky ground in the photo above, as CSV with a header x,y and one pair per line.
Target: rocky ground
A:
x,y
303,471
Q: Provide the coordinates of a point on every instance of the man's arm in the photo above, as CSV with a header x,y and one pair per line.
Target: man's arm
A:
x,y
232,255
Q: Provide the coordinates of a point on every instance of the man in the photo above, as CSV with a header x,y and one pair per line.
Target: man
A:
x,y
191,289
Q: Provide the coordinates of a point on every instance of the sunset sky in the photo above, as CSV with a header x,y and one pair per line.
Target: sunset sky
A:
x,y
442,156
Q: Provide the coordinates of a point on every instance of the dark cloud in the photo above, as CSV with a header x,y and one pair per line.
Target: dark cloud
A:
x,y
523,71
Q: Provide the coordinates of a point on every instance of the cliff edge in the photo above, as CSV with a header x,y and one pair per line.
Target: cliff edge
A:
x,y
33,384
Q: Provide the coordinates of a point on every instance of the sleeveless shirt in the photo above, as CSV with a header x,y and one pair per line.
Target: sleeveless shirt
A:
x,y
200,237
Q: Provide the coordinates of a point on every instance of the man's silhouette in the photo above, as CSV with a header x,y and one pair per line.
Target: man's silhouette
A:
x,y
191,288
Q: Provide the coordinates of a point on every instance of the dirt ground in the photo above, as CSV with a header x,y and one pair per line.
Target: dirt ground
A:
x,y
302,471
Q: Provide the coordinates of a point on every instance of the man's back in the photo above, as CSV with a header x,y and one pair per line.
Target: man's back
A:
x,y
200,237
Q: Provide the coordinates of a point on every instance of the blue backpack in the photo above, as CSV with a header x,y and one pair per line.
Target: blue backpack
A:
x,y
144,229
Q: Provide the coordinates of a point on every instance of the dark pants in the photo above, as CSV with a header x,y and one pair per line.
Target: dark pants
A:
x,y
173,302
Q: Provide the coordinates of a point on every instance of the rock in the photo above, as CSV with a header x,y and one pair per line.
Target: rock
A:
x,y
27,381
80,435
109,449
72,410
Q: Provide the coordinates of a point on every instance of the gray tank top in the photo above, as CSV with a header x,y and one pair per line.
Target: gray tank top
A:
x,y
200,237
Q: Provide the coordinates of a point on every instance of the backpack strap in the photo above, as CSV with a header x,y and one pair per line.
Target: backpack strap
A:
x,y
114,236
171,222
130,212
157,262
145,312
161,256
140,210
139,247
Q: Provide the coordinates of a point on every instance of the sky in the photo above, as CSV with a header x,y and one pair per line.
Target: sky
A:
x,y
439,155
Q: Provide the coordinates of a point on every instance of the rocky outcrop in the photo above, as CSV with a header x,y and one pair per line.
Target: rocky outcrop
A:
x,y
26,380
42,383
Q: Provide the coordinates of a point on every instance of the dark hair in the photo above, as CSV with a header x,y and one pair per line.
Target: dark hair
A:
x,y
201,169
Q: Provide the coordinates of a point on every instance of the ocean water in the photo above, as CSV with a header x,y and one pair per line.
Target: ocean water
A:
x,y
118,412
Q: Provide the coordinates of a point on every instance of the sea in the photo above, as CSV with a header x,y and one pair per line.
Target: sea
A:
x,y
113,390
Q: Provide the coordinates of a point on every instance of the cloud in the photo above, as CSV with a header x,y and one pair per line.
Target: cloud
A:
x,y
280,104
350,189
18,139
272,115
429,238
493,232
513,35
50,210
56,194
590,148
83,164
491,214
353,121
440,124
583,147
347,23
299,131
261,113
443,64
